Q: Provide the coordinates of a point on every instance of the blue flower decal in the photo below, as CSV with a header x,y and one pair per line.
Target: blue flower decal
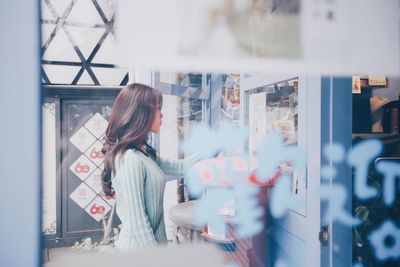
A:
x,y
378,237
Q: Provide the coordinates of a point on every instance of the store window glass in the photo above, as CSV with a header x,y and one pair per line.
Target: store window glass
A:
x,y
74,205
184,105
78,43
375,117
78,54
180,114
273,107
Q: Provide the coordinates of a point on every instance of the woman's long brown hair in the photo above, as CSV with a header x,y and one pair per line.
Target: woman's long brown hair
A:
x,y
128,127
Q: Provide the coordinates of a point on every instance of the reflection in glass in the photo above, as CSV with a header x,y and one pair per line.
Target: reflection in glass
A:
x,y
273,107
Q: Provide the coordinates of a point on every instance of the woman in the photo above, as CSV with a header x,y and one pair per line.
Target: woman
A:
x,y
133,172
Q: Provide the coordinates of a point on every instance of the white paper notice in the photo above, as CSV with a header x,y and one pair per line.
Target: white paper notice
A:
x,y
82,139
97,125
257,120
94,181
82,195
98,208
94,153
82,167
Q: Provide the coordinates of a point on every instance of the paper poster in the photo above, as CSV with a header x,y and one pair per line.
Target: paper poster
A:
x,y
82,195
94,181
98,208
82,167
94,153
97,125
377,81
82,139
257,120
356,85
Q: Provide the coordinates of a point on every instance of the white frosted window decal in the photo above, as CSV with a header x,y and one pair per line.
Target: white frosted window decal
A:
x,y
45,12
60,6
84,12
108,7
47,30
86,38
49,168
230,104
88,166
61,49
106,53
61,74
85,79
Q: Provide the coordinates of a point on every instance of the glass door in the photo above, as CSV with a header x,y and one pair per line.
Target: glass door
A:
x,y
289,105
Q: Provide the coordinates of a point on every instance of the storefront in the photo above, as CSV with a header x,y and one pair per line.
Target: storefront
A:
x,y
338,209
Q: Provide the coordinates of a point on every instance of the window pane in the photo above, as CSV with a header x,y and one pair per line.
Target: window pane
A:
x,y
109,76
85,12
106,53
179,114
61,74
45,11
61,49
86,38
60,6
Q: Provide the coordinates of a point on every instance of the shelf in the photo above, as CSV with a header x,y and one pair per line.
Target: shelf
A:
x,y
374,135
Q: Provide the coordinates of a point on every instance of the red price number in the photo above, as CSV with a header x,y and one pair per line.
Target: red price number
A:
x,y
95,209
82,168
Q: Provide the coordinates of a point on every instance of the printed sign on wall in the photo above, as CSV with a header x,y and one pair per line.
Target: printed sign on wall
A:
x,y
88,166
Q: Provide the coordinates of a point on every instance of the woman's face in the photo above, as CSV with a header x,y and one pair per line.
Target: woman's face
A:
x,y
157,121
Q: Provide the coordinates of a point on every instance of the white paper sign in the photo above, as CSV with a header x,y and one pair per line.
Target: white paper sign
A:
x,y
94,181
82,167
94,153
257,120
82,139
97,208
82,195
97,125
